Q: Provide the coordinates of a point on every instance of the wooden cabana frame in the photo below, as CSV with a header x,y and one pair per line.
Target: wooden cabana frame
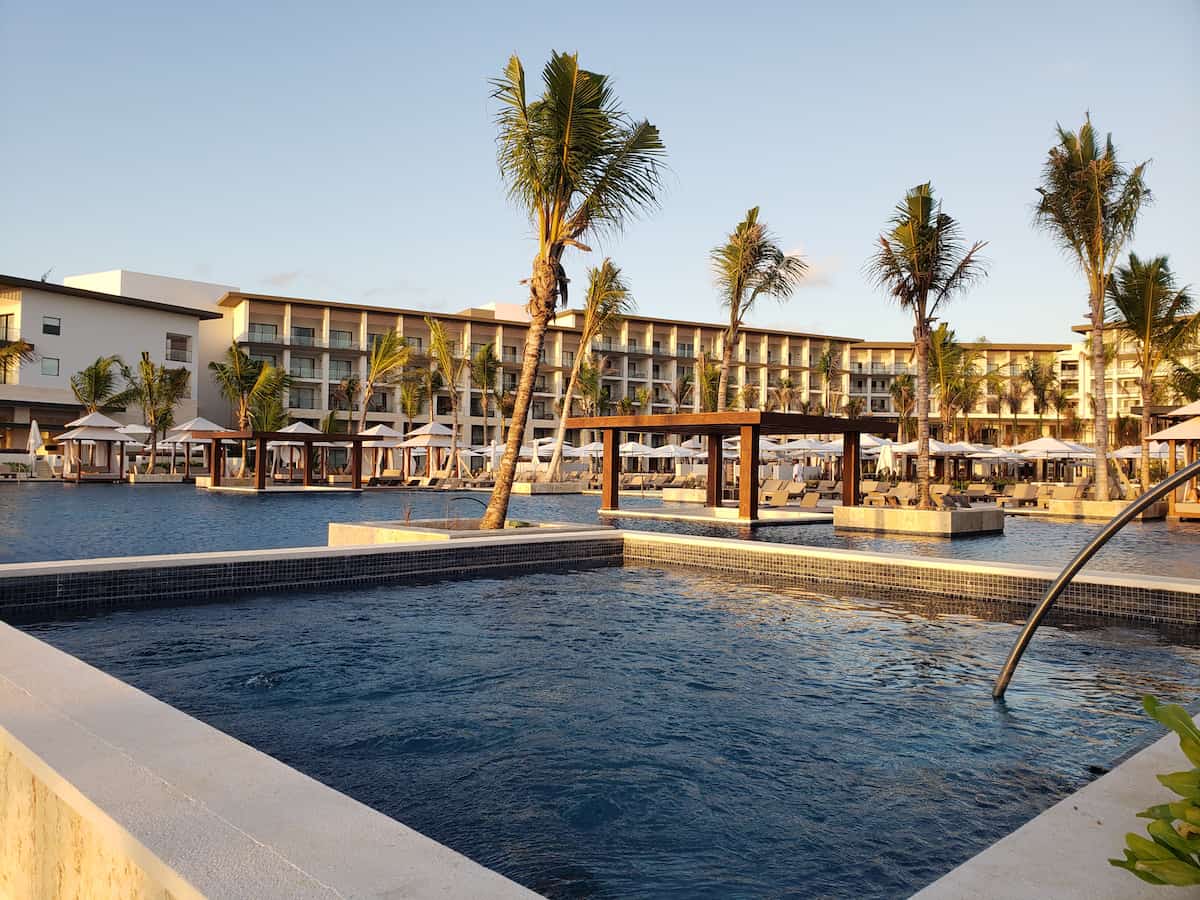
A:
x,y
260,439
749,425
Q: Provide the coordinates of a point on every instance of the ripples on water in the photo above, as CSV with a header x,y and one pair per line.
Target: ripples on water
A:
x,y
52,521
650,733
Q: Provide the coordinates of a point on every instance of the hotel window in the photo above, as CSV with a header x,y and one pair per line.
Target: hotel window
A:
x,y
415,343
303,398
178,348
568,357
510,354
341,338
51,325
373,340
268,358
539,383
339,369
265,333
539,409
302,367
301,336
632,345
49,366
682,349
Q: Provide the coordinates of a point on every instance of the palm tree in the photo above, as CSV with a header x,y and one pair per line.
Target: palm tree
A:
x,y
156,390
1014,397
1090,202
680,391
922,262
1185,382
267,413
904,398
345,391
484,370
949,362
785,394
607,302
968,396
1159,318
389,356
452,367
854,407
96,386
242,380
591,386
708,375
828,366
505,404
625,405
14,351
576,164
1058,400
748,396
410,400
1039,375
431,383
748,265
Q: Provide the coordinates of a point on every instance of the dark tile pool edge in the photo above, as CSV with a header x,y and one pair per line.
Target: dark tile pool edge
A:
x,y
1138,598
33,591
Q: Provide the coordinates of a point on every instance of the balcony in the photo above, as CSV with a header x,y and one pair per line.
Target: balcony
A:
x,y
302,401
305,373
174,355
378,403
342,343
260,335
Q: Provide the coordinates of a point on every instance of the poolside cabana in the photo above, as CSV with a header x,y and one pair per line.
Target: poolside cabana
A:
x,y
750,426
1184,502
185,436
94,429
305,440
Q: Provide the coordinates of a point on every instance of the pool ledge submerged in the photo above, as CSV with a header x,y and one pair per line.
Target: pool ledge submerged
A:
x,y
102,785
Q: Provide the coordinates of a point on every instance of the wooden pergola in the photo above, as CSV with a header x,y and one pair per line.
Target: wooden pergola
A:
x,y
306,441
749,425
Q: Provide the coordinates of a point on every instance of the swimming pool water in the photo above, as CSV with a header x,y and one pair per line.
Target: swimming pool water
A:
x,y
641,732
55,521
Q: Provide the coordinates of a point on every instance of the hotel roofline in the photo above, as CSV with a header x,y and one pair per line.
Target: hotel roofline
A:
x,y
970,345
31,284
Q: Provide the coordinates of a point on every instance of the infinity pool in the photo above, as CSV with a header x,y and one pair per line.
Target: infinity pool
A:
x,y
642,732
53,521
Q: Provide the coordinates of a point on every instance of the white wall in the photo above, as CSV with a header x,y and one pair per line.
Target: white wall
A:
x,y
214,335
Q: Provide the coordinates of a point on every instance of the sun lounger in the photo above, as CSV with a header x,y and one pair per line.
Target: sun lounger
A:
x,y
1022,495
810,500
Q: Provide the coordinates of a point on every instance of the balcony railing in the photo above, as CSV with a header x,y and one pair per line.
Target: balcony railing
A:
x,y
262,336
302,402
341,343
307,373
177,355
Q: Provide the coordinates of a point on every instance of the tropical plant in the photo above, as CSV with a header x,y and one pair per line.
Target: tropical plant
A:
x,y
625,405
953,374
784,394
156,390
431,384
267,413
96,387
1146,306
749,265
748,395
344,395
389,356
681,390
576,164
1039,375
904,398
828,365
243,381
452,367
484,370
410,399
1014,398
1185,382
1089,202
708,374
1060,401
922,263
15,351
854,407
1172,854
607,302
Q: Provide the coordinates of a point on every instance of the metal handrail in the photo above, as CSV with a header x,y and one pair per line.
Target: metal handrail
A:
x,y
1115,524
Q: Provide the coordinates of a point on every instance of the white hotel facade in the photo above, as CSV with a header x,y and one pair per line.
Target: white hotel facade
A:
x,y
321,342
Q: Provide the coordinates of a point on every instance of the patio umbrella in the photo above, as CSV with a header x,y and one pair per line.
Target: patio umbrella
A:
x,y
1184,412
633,448
887,458
1184,431
595,448
673,451
34,444
95,420
432,428
1050,448
936,448
693,443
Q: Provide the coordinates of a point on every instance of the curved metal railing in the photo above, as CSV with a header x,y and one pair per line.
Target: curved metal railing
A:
x,y
1134,509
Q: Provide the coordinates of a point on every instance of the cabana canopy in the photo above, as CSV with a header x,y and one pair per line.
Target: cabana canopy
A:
x,y
1184,431
1184,412
94,420
749,425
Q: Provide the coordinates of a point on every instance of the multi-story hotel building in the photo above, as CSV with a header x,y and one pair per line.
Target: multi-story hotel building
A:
x,y
321,343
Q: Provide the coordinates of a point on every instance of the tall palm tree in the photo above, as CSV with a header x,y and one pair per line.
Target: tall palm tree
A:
x,y
389,356
922,262
829,366
591,386
1089,202
1185,382
904,398
346,391
431,383
484,370
748,396
1039,375
156,390
708,380
410,400
1147,306
241,380
1014,397
949,362
96,387
749,265
1058,400
442,349
576,164
681,391
607,302
785,394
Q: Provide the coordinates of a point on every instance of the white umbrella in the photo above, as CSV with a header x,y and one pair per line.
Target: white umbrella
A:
x,y
35,443
94,420
803,445
887,458
595,448
1050,448
693,443
433,428
936,448
633,448
673,451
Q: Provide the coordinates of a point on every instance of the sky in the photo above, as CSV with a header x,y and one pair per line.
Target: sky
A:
x,y
347,151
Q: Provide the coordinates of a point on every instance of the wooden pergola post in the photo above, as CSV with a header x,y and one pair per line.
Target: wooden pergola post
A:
x,y
216,463
610,467
260,463
356,454
748,477
187,458
306,458
1171,465
851,468
716,472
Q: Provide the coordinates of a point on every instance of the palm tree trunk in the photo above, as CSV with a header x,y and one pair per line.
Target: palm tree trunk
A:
x,y
922,337
543,293
1145,434
726,362
1096,301
552,471
368,390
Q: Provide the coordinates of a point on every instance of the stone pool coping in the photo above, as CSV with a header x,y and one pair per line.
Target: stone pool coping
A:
x,y
1064,851
152,797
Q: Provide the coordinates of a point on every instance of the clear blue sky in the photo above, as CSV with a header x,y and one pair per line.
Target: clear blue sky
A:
x,y
347,150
